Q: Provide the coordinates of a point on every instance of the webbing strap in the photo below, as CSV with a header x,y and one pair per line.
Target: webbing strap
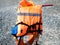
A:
x,y
22,24
28,30
19,40
29,26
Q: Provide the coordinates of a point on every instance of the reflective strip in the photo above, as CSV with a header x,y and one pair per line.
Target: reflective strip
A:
x,y
28,14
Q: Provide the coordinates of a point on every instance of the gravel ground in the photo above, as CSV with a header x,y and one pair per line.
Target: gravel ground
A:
x,y
51,22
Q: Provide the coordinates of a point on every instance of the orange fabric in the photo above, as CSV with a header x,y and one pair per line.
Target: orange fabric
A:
x,y
30,20
25,3
30,40
28,7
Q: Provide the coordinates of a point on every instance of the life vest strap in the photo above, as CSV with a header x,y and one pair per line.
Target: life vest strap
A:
x,y
28,30
31,26
22,24
31,31
27,24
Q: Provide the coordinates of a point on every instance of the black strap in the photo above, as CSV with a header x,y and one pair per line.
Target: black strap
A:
x,y
22,24
28,30
27,24
19,40
33,26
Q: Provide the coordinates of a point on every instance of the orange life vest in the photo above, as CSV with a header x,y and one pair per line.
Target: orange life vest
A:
x,y
29,21
29,15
